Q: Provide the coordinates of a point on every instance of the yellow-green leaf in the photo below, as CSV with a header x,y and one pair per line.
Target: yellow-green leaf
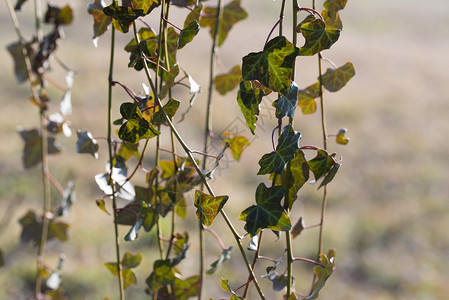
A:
x,y
335,79
208,206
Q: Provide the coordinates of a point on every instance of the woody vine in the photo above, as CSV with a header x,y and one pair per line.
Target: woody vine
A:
x,y
263,74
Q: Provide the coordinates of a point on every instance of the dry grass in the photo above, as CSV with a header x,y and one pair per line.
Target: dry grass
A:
x,y
387,214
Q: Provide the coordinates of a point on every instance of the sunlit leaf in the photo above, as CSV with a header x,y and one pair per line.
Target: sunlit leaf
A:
x,y
187,288
227,82
101,20
321,163
146,5
162,275
298,228
272,66
188,33
277,160
231,14
268,213
208,206
249,98
130,261
58,16
322,273
102,205
341,137
318,37
286,105
112,267
124,188
127,150
335,79
332,23
194,15
333,6
20,67
128,278
237,144
226,286
86,143
225,255
170,108
306,98
122,16
136,127
32,153
54,280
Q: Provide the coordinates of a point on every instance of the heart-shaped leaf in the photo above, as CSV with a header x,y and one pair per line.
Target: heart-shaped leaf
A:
x,y
32,153
122,16
318,37
335,79
101,20
86,143
136,127
227,82
306,98
208,206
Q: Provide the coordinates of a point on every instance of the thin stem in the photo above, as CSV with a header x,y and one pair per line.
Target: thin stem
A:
x,y
253,265
308,260
216,236
111,181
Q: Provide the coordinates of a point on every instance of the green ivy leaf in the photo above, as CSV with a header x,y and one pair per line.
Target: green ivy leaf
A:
x,y
227,287
32,153
335,79
136,127
335,23
318,37
306,98
169,81
297,176
268,213
146,6
225,255
322,273
130,261
194,15
101,20
112,267
285,151
237,145
170,108
330,175
180,243
249,98
298,228
272,66
161,276
227,82
187,34
122,16
32,229
321,163
187,288
128,278
127,150
208,207
286,105
86,143
20,68
231,14
341,137
333,6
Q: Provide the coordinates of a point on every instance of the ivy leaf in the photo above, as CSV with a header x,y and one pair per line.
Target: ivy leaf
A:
x,y
32,153
224,257
145,5
249,98
231,14
170,108
268,213
295,177
194,15
227,82
272,66
306,98
285,151
32,229
333,6
101,20
102,205
330,175
185,289
136,127
279,281
128,278
130,261
227,287
321,163
161,276
318,37
20,68
86,143
298,228
332,23
187,34
180,247
127,150
335,79
237,145
122,16
322,273
341,137
286,105
208,207
58,16
169,81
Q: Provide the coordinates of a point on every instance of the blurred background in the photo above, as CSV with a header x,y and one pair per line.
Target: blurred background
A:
x,y
387,213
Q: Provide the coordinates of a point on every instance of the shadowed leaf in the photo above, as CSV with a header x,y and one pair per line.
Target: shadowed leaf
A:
x,y
187,288
225,255
318,37
227,82
188,33
146,5
32,153
268,213
249,98
272,66
330,175
208,207
86,143
335,79
130,261
20,68
58,16
322,273
136,127
298,228
122,16
277,160
194,15
19,4
32,229
101,20
286,105
161,276
231,14
321,163
170,108
169,81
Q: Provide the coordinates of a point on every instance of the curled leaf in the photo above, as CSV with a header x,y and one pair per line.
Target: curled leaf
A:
x,y
341,137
